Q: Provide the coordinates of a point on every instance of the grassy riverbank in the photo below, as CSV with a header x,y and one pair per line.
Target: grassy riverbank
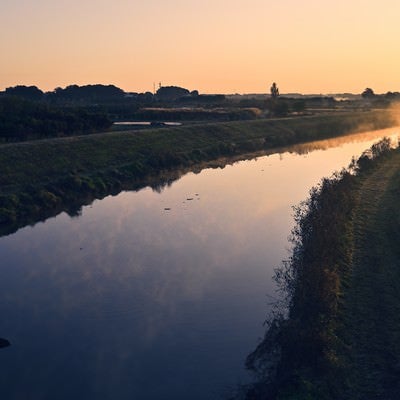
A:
x,y
41,178
372,319
340,338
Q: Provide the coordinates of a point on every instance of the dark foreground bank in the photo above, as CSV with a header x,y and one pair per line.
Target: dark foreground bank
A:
x,y
335,334
43,178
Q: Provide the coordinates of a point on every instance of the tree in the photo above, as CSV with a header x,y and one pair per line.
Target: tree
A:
x,y
368,93
26,92
89,93
392,95
274,91
171,92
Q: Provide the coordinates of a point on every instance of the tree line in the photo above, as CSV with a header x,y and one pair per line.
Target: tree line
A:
x,y
109,94
22,119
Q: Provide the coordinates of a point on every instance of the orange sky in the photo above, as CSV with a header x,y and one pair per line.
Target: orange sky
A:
x,y
215,46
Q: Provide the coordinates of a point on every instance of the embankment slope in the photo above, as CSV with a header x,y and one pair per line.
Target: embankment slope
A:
x,y
373,297
41,178
41,161
339,338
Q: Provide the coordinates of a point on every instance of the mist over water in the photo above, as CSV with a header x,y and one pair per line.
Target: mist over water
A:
x,y
155,295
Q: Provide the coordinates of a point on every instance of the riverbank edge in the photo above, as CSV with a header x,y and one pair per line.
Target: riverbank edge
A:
x,y
42,178
313,347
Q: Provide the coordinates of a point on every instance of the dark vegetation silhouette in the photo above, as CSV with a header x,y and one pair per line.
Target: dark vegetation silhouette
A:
x,y
172,92
23,119
168,103
26,112
274,91
382,100
87,94
26,92
368,93
304,354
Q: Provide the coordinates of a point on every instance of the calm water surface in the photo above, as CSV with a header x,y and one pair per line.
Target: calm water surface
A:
x,y
152,295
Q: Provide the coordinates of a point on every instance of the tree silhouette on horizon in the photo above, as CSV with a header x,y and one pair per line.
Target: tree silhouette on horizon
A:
x,y
274,91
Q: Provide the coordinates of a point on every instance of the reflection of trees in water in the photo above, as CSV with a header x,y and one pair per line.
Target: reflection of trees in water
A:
x,y
160,186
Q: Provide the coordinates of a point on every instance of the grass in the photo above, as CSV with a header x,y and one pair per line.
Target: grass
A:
x,y
43,177
339,339
47,160
373,298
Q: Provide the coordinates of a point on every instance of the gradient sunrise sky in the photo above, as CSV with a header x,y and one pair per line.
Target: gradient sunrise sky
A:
x,y
215,46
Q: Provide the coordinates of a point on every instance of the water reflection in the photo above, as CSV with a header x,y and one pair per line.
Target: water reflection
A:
x,y
132,300
366,137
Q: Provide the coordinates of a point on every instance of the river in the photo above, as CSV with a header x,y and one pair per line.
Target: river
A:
x,y
155,295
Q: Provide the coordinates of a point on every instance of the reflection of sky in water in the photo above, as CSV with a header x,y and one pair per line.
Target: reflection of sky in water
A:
x,y
131,299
